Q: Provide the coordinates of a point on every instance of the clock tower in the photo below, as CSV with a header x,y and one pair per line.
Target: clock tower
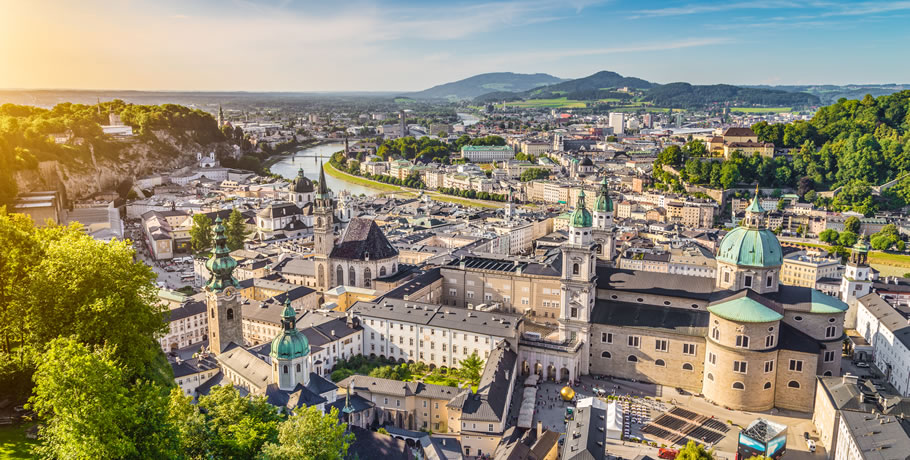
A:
x,y
578,290
323,233
223,302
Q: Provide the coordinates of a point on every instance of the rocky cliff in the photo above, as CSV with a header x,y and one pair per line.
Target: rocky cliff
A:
x,y
136,157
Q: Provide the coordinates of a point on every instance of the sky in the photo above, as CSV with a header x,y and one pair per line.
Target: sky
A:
x,y
373,45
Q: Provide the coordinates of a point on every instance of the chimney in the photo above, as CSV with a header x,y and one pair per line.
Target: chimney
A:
x,y
539,429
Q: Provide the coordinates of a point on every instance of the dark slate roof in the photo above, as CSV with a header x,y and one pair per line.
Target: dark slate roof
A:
x,y
690,287
585,432
793,339
370,444
280,210
216,380
320,385
627,314
186,310
397,387
192,366
363,239
358,403
491,400
299,397
895,319
414,285
404,270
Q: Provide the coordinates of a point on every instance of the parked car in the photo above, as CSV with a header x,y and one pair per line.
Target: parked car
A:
x,y
811,445
862,365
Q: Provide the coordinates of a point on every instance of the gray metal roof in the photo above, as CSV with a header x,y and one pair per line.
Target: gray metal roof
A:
x,y
460,319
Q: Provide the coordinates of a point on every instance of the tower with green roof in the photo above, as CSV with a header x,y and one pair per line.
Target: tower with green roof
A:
x,y
750,256
578,290
290,352
856,281
221,296
603,223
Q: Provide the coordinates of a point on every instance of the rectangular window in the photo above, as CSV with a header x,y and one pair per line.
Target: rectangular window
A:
x,y
689,349
661,345
829,356
634,341
796,365
769,366
830,331
606,337
739,366
769,341
573,312
747,281
712,358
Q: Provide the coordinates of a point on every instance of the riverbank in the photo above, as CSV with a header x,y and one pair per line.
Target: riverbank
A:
x,y
405,191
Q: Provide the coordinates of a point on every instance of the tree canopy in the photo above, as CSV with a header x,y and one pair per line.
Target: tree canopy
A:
x,y
310,433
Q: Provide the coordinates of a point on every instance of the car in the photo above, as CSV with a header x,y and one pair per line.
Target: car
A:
x,y
862,365
811,444
806,435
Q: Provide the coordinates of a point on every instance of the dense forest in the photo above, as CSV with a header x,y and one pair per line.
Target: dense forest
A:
x,y
692,96
852,145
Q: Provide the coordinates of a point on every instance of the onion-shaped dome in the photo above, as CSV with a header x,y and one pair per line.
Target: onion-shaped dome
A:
x,y
291,343
603,203
221,265
581,217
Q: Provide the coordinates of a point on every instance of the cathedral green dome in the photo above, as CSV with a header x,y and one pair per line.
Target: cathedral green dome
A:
x,y
290,343
754,247
603,203
581,217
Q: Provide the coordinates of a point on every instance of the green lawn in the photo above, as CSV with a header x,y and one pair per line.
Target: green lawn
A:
x,y
552,103
760,109
886,258
330,170
13,443
463,201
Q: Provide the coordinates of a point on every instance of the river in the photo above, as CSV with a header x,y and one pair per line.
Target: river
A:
x,y
467,119
309,158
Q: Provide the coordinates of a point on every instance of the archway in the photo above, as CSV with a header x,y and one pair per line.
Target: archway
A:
x,y
525,367
432,367
538,369
551,372
372,355
174,346
564,375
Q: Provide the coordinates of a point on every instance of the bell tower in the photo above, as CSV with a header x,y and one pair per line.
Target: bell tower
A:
x,y
603,223
323,233
578,274
223,302
856,281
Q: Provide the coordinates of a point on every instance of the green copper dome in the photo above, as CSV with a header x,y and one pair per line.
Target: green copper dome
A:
x,y
861,244
221,265
291,343
754,247
603,203
581,217
745,310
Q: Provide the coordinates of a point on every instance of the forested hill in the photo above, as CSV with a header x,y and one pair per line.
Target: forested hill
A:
x,y
686,95
850,146
163,135
486,83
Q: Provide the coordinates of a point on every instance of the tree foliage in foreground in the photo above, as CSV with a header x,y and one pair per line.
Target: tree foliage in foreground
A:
x,y
694,451
310,434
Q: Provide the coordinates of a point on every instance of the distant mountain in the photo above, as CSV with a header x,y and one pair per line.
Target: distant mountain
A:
x,y
603,80
478,85
829,94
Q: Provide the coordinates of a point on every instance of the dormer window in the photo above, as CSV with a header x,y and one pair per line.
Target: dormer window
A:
x,y
747,281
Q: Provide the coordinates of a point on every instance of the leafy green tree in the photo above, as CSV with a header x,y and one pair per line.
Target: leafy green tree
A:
x,y
847,239
829,236
694,451
201,234
234,229
471,368
852,224
191,430
238,425
310,433
534,174
91,410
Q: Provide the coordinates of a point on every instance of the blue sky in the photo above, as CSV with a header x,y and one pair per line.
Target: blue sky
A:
x,y
400,45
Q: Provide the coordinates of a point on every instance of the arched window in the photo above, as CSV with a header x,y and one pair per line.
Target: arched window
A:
x,y
687,367
660,363
352,277
767,385
340,276
793,384
394,268
285,368
827,374
574,269
298,367
710,376
230,313
381,272
367,277
606,354
738,386
319,221
321,275
632,359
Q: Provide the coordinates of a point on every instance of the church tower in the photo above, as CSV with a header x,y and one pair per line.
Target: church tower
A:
x,y
856,281
578,280
603,223
290,352
323,233
220,117
221,296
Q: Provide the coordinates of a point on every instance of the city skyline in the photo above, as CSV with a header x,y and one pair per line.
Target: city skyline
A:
x,y
409,46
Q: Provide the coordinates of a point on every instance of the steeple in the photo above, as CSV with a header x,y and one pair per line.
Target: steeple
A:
x,y
220,117
221,265
288,315
755,213
322,190
581,217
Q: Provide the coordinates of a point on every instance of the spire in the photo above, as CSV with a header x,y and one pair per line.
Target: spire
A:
x,y
221,265
323,190
288,315
347,401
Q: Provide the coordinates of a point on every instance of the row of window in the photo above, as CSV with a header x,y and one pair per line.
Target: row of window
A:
x,y
657,362
767,386
662,345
